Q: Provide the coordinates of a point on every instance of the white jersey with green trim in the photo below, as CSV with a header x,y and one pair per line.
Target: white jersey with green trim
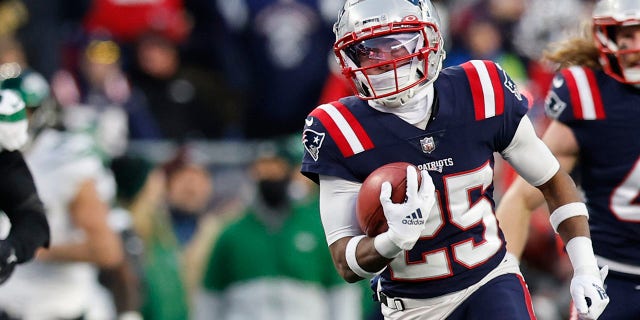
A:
x,y
60,163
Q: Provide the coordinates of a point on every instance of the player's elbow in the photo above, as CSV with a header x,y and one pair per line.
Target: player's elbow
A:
x,y
353,279
345,271
348,275
340,262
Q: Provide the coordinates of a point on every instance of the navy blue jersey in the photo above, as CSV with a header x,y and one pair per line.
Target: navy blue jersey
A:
x,y
604,116
477,110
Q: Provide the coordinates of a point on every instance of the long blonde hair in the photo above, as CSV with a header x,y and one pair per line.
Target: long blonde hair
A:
x,y
579,50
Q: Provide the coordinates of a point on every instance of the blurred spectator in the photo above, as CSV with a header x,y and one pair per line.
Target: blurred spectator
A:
x,y
504,14
43,27
102,99
126,21
198,47
75,188
275,52
482,39
186,101
11,50
141,193
271,263
189,191
547,21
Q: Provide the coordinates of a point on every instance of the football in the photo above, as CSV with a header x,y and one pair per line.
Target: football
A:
x,y
368,207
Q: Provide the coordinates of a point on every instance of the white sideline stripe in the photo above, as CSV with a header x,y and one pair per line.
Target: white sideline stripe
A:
x,y
487,88
584,90
344,127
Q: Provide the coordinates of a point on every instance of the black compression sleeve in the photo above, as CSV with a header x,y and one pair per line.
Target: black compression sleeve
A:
x,y
20,201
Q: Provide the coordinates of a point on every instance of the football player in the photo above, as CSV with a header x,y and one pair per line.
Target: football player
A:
x,y
29,228
71,181
448,122
593,103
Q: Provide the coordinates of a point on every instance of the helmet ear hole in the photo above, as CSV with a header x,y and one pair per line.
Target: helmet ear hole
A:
x,y
611,32
613,63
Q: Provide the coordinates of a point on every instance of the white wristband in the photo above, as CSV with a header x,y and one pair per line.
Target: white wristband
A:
x,y
567,211
580,252
350,255
385,246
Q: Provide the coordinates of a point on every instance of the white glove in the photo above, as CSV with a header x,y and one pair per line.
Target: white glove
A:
x,y
587,291
407,220
587,284
13,121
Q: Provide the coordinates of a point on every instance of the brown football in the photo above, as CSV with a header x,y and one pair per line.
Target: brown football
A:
x,y
368,207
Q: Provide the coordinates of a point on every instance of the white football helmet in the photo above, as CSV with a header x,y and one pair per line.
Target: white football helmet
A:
x,y
389,49
608,17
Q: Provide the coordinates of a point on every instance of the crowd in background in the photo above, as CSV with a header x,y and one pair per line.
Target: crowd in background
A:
x,y
182,96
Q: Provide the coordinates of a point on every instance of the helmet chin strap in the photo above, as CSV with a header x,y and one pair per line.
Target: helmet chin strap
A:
x,y
414,109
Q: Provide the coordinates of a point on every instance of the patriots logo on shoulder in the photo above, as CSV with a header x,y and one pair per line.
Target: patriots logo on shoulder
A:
x,y
510,84
553,105
312,141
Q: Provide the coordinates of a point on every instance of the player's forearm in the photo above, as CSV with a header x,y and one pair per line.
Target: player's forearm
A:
x,y
514,221
104,252
368,258
568,213
514,214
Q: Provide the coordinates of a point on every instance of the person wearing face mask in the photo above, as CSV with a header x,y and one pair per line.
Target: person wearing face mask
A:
x,y
272,261
451,260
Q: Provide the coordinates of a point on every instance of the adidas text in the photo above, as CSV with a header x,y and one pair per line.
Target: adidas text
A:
x,y
412,221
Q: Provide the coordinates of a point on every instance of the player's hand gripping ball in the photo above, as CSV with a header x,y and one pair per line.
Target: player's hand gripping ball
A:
x,y
368,207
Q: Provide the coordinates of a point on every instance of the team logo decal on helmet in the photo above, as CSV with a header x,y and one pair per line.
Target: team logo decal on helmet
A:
x,y
410,18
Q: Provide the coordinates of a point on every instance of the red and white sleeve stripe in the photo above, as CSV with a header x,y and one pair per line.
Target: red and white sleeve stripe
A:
x,y
584,93
344,128
486,88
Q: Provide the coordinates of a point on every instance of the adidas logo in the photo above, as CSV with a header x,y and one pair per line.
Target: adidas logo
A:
x,y
414,218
